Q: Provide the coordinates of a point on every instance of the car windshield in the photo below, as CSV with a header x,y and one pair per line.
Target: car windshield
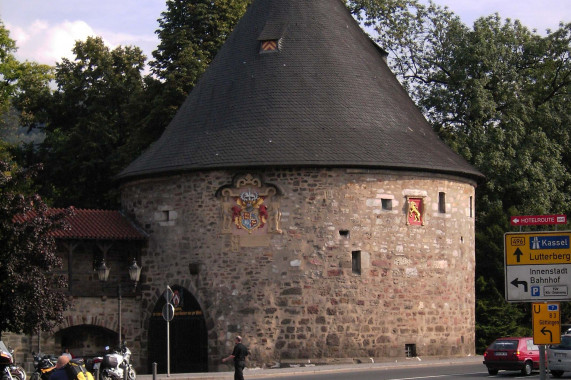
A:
x,y
565,343
504,345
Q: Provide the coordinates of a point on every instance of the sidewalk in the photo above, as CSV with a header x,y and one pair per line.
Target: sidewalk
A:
x,y
253,373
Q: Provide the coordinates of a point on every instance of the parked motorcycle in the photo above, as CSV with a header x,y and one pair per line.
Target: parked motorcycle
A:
x,y
115,364
44,365
9,369
17,372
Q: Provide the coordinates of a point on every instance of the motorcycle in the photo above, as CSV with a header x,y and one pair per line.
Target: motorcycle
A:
x,y
115,364
44,366
9,369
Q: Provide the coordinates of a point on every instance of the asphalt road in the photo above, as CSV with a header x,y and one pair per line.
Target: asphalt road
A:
x,y
411,369
469,368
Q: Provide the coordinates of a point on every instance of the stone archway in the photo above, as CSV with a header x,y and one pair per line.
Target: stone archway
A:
x,y
188,335
85,341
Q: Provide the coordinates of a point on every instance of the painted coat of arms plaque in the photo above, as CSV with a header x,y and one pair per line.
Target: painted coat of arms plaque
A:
x,y
249,208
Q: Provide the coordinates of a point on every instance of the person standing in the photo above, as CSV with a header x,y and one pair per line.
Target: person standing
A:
x,y
67,353
239,355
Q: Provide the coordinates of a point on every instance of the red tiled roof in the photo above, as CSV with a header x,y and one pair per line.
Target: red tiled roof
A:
x,y
97,224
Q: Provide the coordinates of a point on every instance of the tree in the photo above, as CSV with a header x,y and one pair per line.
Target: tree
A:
x,y
91,114
8,64
31,297
191,32
498,94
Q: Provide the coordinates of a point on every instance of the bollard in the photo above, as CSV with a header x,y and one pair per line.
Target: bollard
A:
x,y
154,370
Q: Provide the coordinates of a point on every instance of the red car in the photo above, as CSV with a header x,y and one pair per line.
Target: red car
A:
x,y
512,354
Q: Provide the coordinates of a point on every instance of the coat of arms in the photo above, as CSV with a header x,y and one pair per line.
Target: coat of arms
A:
x,y
250,212
415,212
249,207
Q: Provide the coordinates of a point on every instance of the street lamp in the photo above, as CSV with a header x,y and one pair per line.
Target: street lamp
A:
x,y
134,274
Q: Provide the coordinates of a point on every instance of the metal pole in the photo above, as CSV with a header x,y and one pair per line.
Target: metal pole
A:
x,y
154,370
168,350
541,362
119,306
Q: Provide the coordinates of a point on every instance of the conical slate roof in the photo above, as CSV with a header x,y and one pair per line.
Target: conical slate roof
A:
x,y
324,98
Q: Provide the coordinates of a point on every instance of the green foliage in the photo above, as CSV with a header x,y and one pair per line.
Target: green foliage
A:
x,y
8,65
496,318
86,120
499,95
191,32
31,296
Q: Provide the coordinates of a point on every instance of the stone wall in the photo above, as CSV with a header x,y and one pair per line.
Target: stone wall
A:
x,y
336,271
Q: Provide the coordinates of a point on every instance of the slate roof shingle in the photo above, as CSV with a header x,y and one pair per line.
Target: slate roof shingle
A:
x,y
96,225
326,99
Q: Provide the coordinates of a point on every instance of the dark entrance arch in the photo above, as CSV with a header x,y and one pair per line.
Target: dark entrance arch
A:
x,y
188,335
85,341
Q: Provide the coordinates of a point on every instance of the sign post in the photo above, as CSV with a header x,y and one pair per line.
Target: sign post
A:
x,y
537,266
538,220
546,329
546,323
168,315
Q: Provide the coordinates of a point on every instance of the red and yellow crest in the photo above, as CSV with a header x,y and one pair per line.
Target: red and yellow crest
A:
x,y
415,212
250,212
249,209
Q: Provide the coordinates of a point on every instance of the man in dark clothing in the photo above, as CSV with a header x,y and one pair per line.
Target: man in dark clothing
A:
x,y
239,355
60,373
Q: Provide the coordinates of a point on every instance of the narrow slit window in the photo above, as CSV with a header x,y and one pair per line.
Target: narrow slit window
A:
x,y
442,202
356,262
471,208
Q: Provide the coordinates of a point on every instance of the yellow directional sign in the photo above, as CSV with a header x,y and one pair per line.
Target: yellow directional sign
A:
x,y
538,248
537,266
546,323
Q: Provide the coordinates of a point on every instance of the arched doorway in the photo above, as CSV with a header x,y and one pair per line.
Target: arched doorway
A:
x,y
85,341
188,335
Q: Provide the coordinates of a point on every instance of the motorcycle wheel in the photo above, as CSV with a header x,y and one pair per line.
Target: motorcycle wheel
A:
x,y
131,375
18,373
35,376
6,375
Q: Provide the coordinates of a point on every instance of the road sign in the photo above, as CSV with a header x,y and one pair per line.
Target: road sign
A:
x,y
169,294
537,220
537,266
168,312
546,323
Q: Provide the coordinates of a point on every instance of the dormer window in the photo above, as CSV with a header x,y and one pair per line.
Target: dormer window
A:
x,y
268,46
270,36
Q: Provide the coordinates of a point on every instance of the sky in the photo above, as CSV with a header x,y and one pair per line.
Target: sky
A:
x,y
46,30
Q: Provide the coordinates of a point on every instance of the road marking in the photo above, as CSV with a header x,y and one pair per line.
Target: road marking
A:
x,y
435,376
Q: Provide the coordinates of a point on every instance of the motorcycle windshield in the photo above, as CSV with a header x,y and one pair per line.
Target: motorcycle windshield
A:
x,y
3,347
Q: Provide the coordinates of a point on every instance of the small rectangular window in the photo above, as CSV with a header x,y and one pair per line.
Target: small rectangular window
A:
x,y
410,350
387,204
442,202
471,208
344,233
269,45
356,262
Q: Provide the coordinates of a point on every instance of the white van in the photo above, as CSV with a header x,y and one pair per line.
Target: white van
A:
x,y
559,356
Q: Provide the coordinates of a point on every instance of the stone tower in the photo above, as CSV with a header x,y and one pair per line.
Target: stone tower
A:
x,y
300,199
